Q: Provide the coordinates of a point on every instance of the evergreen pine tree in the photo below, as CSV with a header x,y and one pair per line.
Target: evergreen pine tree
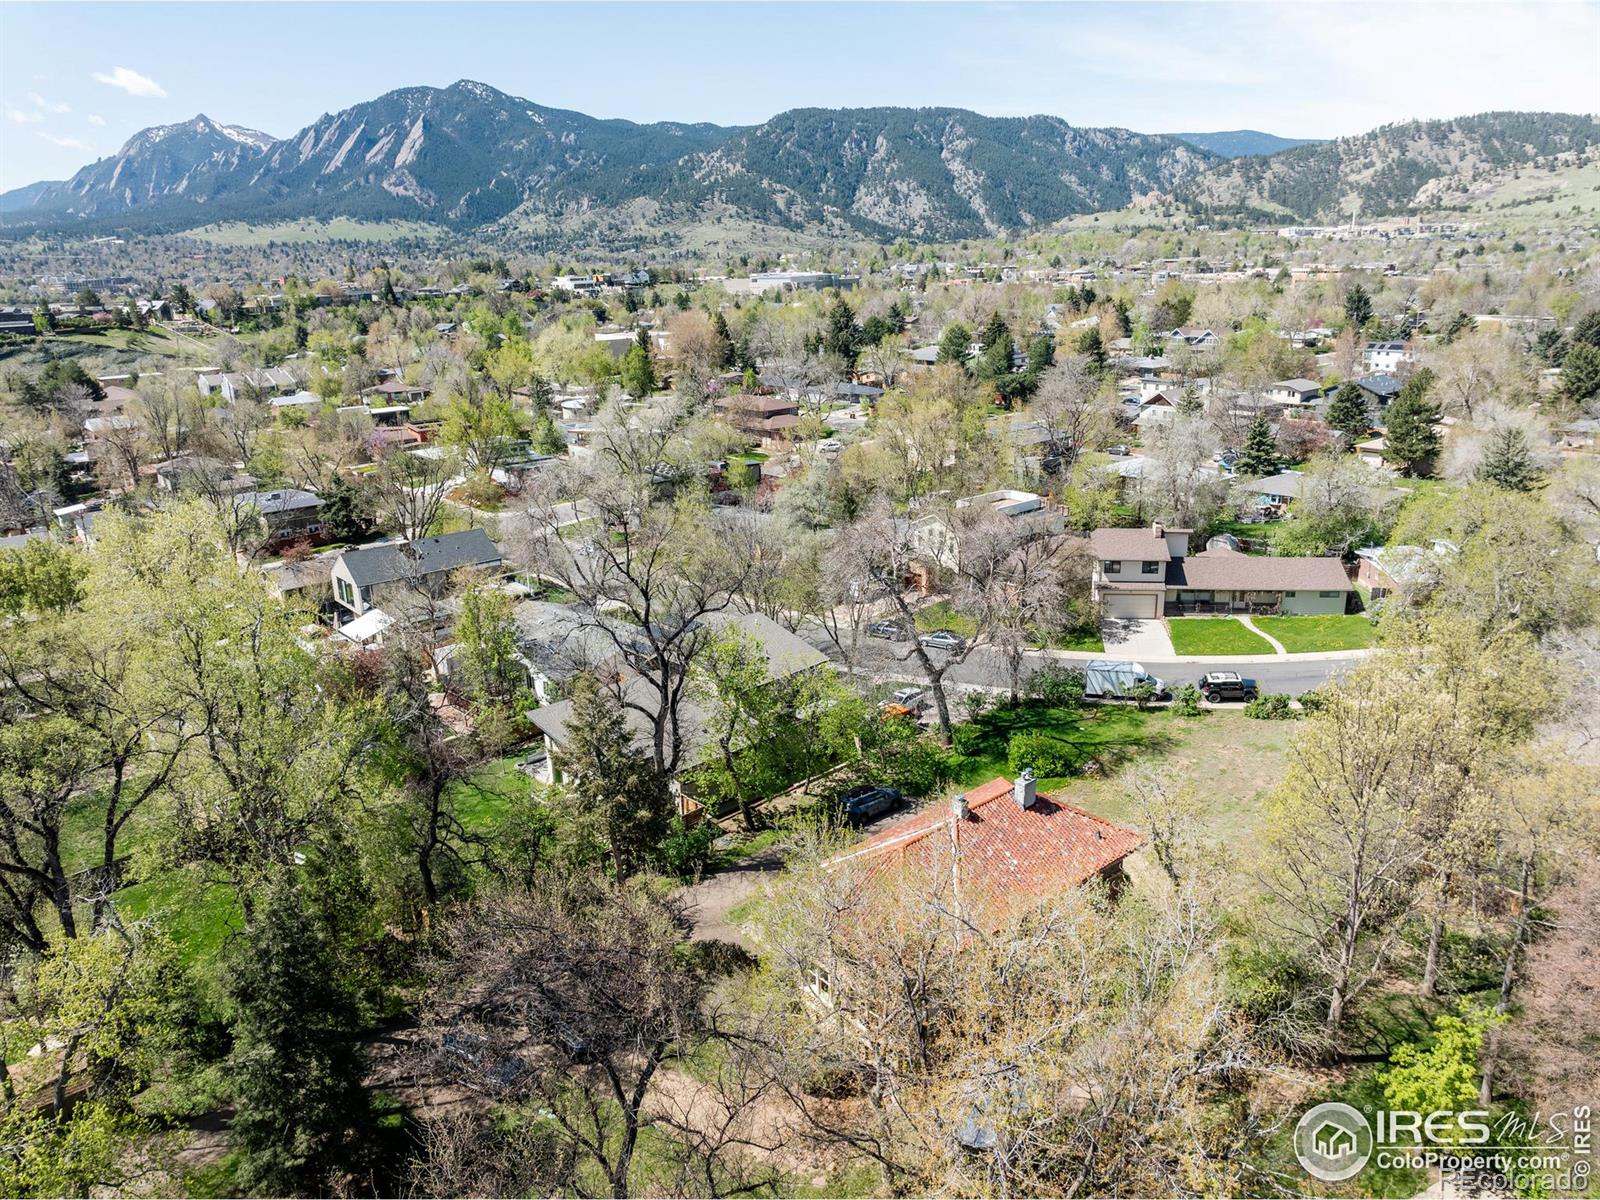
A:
x,y
1259,455
954,344
844,335
1358,306
546,438
1412,440
1348,414
1580,374
301,1113
994,329
1092,347
1508,461
719,326
615,788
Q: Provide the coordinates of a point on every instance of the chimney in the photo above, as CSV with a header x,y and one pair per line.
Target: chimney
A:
x,y
1024,791
958,807
1158,529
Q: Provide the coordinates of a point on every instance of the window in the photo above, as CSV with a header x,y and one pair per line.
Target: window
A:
x,y
1112,567
1150,568
347,595
1327,595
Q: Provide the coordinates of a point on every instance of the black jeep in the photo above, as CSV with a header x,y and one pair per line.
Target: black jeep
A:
x,y
1217,686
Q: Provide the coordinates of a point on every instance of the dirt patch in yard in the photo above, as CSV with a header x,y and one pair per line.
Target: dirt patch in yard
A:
x,y
1553,1042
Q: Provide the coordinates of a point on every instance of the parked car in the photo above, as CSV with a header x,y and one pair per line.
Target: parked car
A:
x,y
911,697
867,801
830,445
1217,686
892,630
943,639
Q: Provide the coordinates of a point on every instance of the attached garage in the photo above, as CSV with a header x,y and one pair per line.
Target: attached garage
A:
x,y
1125,604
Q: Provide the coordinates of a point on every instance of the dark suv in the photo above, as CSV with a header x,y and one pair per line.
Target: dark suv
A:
x,y
867,801
1217,686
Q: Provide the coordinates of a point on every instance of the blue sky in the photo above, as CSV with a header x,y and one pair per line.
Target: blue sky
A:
x,y
77,79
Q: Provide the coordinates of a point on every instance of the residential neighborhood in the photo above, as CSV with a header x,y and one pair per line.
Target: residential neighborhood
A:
x,y
731,647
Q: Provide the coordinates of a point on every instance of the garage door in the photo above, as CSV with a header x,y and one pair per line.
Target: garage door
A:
x,y
1131,605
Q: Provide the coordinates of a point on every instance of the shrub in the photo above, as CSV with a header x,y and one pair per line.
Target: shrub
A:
x,y
1049,757
917,766
1057,686
1141,694
968,740
1313,701
1274,706
1186,701
686,852
975,704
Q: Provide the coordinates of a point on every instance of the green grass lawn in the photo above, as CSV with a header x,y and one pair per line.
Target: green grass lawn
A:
x,y
1227,761
1306,635
483,800
942,615
1266,531
1105,736
1079,639
1214,635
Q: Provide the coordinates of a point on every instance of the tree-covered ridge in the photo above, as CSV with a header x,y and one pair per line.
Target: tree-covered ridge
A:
x,y
935,171
1381,172
469,155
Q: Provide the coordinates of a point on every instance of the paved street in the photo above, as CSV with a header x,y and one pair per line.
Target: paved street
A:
x,y
986,667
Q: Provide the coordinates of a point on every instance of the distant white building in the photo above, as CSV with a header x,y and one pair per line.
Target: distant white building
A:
x,y
1385,358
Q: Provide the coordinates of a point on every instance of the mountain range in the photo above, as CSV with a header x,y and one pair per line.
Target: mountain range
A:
x,y
1242,143
469,156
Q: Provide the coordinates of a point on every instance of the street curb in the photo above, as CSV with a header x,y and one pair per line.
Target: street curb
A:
x,y
1112,655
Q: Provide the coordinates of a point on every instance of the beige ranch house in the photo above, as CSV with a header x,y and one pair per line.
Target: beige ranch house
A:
x,y
1150,573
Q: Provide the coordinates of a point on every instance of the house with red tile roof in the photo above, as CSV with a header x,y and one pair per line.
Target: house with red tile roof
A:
x,y
1000,849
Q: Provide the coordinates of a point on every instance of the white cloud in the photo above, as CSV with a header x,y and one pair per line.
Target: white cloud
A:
x,y
131,82
69,143
44,105
96,119
19,117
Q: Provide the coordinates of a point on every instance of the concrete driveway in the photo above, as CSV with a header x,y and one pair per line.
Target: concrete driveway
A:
x,y
1136,638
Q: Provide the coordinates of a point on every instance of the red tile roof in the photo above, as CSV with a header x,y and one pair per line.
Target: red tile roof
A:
x,y
1002,859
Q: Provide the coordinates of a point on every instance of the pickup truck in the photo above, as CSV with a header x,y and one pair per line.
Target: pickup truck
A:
x,y
1107,679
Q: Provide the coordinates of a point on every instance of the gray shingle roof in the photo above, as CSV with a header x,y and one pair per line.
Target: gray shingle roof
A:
x,y
1230,571
425,556
1142,545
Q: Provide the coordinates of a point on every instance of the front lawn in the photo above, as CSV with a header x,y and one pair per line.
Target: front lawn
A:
x,y
1086,638
942,615
1226,761
1103,735
1306,635
1214,635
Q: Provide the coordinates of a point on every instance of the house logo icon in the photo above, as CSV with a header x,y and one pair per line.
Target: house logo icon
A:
x,y
1333,1142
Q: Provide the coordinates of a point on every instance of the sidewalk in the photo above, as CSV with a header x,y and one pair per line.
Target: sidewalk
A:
x,y
1262,634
